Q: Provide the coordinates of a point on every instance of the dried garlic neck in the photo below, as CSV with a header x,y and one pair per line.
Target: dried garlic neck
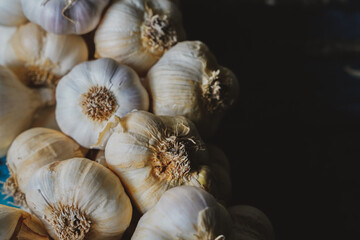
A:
x,y
171,159
98,103
11,189
213,91
157,33
68,222
39,76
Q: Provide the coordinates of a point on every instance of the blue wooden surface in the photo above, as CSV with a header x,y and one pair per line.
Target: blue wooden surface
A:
x,y
4,174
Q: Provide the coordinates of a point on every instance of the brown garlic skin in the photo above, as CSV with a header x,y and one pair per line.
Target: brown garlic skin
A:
x,y
152,154
188,81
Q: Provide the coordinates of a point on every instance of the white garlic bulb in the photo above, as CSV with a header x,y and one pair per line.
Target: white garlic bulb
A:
x,y
65,16
18,224
18,104
6,34
188,81
144,30
41,58
152,154
79,199
250,223
11,13
186,213
31,150
92,94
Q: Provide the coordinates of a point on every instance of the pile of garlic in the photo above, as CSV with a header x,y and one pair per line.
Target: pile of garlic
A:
x,y
115,144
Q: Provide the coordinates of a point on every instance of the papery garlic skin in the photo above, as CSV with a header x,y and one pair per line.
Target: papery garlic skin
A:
x,y
138,32
6,34
92,94
65,16
188,81
11,13
18,104
250,223
152,154
18,224
33,149
41,58
186,213
79,199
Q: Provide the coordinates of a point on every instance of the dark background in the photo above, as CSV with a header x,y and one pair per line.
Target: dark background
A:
x,y
293,139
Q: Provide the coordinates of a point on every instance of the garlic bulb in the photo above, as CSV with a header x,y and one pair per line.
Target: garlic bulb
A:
x,y
79,199
18,224
186,213
92,94
250,223
188,81
6,34
42,58
65,16
31,150
11,13
18,104
152,153
144,30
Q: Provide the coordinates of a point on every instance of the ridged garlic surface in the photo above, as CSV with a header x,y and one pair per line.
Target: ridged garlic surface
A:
x,y
6,34
138,32
31,150
79,199
42,58
188,81
11,13
18,104
152,154
250,223
185,213
65,16
18,224
89,98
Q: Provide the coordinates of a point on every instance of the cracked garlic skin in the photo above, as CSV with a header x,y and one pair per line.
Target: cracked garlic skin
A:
x,y
31,150
11,13
65,16
79,199
187,213
250,223
152,154
92,94
40,58
18,104
145,29
18,224
188,81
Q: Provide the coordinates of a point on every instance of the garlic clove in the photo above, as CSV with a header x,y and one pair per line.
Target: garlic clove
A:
x,y
42,58
18,224
79,199
250,223
18,104
65,16
152,154
188,81
31,150
146,30
186,212
11,13
95,93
